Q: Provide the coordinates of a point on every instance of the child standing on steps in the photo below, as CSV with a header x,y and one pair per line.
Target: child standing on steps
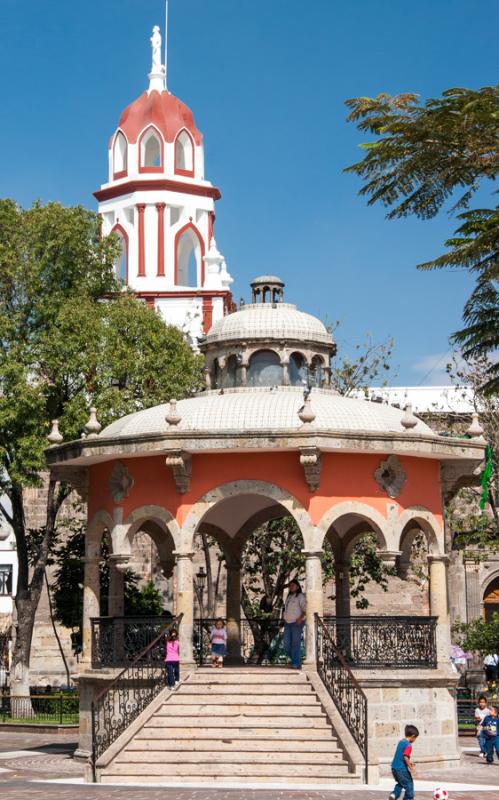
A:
x,y
218,639
172,659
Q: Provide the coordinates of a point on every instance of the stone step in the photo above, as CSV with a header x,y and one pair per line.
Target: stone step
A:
x,y
228,782
215,769
209,709
229,678
242,745
284,734
237,721
220,687
237,757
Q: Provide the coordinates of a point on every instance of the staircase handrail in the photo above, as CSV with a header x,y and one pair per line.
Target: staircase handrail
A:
x,y
343,687
131,691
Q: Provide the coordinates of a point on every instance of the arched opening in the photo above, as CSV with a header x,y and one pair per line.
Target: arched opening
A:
x,y
151,151
184,154
120,157
231,376
317,372
265,369
189,252
121,263
491,600
297,370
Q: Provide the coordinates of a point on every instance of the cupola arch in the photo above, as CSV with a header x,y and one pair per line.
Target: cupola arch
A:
x,y
121,263
120,155
184,153
151,150
189,256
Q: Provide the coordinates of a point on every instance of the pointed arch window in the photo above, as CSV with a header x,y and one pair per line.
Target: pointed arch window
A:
x,y
121,263
184,154
189,253
150,151
120,156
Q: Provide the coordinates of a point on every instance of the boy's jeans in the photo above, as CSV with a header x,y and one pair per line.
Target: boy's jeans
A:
x,y
491,744
292,642
481,742
403,781
172,672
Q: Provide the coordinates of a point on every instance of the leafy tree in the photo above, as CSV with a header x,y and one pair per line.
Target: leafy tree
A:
x,y
424,154
479,636
62,349
369,363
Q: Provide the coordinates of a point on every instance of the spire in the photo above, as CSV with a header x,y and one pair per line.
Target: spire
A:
x,y
157,74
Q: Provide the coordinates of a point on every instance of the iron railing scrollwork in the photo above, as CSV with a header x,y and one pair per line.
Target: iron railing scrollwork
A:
x,y
343,688
395,642
116,641
120,703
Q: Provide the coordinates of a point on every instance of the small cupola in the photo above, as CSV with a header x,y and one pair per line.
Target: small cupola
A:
x,y
267,289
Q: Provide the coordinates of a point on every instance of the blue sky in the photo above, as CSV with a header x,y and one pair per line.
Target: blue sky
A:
x,y
267,80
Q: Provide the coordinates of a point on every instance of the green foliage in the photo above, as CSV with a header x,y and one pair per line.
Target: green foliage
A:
x,y
366,566
424,154
143,601
479,636
369,363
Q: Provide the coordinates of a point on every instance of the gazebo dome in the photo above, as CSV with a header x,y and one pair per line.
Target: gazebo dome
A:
x,y
265,409
164,111
269,321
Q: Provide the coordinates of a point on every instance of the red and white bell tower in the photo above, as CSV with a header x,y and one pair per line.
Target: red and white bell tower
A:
x,y
158,202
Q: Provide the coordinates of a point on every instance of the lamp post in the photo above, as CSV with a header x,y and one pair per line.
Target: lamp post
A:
x,y
199,585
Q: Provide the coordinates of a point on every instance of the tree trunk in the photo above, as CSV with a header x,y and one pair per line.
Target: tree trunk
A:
x,y
210,604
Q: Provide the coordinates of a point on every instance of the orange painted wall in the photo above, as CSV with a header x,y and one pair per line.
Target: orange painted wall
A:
x,y
343,477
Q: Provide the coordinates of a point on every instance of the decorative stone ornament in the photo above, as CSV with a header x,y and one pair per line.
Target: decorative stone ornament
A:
x,y
475,431
180,464
172,416
306,412
310,459
390,476
120,482
55,437
93,426
409,420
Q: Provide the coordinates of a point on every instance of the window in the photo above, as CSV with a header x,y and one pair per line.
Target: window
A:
x,y
5,579
265,369
119,155
121,263
317,372
150,151
184,153
231,377
297,370
189,255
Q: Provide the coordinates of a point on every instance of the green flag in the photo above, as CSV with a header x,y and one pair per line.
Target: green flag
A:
x,y
486,476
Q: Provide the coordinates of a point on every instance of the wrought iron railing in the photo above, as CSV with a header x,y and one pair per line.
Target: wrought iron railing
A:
x,y
260,640
53,709
342,687
116,641
405,642
116,707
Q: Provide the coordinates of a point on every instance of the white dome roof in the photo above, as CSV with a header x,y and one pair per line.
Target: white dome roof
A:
x,y
266,409
269,321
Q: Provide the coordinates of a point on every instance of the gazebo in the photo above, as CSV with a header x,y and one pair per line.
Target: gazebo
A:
x,y
270,437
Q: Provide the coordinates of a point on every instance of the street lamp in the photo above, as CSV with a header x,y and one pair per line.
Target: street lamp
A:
x,y
199,585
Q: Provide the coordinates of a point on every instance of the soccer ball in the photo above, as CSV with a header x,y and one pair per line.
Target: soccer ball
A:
x,y
440,793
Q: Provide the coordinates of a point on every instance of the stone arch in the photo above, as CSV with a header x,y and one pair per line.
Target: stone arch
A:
x,y
420,518
248,487
156,515
101,521
359,512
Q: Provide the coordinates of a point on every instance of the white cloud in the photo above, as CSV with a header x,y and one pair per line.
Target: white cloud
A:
x,y
432,369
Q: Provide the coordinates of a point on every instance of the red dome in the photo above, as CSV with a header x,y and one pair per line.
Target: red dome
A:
x,y
161,109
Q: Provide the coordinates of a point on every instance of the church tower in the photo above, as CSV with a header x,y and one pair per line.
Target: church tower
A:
x,y
163,210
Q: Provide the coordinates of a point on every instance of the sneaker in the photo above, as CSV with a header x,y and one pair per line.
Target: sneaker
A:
x,y
392,797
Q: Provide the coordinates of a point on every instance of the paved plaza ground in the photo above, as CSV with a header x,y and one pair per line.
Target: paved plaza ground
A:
x,y
40,765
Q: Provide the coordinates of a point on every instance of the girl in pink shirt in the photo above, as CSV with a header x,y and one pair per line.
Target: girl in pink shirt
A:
x,y
172,658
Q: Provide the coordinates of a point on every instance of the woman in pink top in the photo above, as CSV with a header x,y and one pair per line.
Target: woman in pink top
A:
x,y
172,658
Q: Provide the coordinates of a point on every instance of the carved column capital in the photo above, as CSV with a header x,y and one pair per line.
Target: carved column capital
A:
x,y
180,464
311,461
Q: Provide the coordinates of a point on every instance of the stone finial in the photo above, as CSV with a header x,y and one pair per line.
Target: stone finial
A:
x,y
55,437
172,416
93,426
306,413
475,431
409,420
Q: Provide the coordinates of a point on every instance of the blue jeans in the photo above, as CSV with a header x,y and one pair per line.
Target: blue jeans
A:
x,y
292,642
492,744
481,742
172,672
403,781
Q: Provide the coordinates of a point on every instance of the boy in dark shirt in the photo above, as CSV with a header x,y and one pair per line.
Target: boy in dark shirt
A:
x,y
403,769
490,728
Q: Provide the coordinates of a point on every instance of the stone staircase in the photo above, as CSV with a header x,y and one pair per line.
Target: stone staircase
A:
x,y
236,725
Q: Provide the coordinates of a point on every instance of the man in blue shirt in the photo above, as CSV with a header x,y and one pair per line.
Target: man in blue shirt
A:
x,y
490,728
403,769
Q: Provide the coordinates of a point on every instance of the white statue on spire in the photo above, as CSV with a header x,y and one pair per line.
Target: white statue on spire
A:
x,y
157,66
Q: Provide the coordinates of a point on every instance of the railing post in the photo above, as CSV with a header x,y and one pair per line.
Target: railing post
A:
x,y
94,758
60,708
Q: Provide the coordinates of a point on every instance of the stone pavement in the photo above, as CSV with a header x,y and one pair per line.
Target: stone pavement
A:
x,y
30,762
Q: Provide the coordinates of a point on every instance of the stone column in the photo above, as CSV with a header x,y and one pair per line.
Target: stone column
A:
x,y
285,373
91,602
243,374
313,577
233,609
439,606
161,239
141,207
116,600
342,582
185,604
